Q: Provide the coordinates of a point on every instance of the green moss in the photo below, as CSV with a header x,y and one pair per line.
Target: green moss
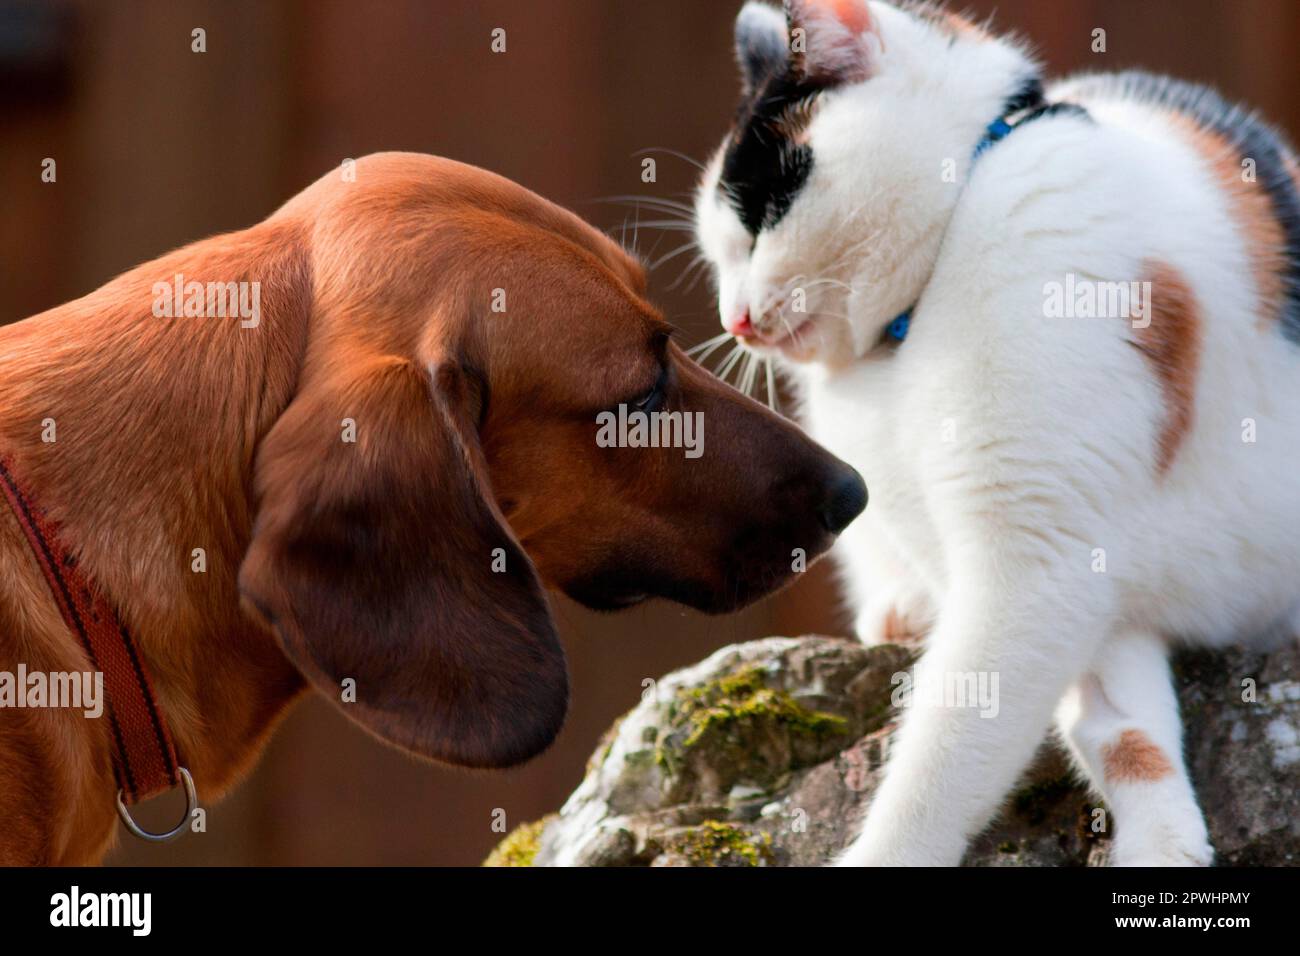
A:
x,y
519,848
745,696
723,844
638,758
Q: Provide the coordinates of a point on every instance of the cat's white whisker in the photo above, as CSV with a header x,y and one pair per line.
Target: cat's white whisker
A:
x,y
665,207
747,376
699,274
680,250
706,347
717,368
812,284
791,331
670,224
733,359
740,369
697,261
671,152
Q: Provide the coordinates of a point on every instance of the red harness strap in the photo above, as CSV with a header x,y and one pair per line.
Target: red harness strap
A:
x,y
144,759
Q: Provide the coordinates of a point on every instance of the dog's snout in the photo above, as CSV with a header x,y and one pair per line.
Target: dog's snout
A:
x,y
846,496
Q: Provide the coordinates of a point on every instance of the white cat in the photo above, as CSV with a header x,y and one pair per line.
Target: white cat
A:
x,y
1058,332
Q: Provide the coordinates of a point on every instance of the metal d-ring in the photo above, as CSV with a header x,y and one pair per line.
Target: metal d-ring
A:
x,y
191,801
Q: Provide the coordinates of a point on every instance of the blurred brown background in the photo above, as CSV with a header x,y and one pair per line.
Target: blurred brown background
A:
x,y
157,146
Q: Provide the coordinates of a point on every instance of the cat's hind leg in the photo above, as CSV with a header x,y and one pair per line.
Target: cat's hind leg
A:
x,y
1121,723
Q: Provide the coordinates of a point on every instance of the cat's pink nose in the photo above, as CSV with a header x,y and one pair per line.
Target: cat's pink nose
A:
x,y
740,325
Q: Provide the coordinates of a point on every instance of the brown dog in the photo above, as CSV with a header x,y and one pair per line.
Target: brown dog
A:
x,y
411,559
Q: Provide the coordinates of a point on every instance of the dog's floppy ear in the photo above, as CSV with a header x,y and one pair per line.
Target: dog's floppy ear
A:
x,y
385,560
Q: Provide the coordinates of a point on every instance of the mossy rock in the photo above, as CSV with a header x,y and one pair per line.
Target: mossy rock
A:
x,y
769,753
713,843
519,847
737,730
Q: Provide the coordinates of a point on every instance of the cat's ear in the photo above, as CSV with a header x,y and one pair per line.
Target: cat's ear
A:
x,y
762,47
832,41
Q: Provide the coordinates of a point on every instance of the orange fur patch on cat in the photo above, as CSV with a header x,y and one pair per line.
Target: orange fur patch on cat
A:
x,y
1252,212
1171,343
961,26
1135,759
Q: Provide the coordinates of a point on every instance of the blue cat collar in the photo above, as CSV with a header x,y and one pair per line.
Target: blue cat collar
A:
x,y
897,330
998,129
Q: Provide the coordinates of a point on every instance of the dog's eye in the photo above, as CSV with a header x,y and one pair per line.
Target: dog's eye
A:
x,y
652,399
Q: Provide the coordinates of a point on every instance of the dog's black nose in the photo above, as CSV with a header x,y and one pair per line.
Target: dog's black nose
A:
x,y
845,500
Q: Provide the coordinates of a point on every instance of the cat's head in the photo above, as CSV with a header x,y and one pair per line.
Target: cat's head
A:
x,y
823,210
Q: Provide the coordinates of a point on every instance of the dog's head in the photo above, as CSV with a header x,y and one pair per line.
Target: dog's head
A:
x,y
456,443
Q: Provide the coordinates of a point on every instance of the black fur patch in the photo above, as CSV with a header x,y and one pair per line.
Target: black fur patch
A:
x,y
1031,104
1028,97
1249,136
1054,109
763,168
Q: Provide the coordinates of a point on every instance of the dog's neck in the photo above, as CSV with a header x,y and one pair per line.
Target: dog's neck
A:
x,y
138,434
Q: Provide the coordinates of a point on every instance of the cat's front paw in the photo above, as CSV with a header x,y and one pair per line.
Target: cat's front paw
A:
x,y
856,855
889,847
865,850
